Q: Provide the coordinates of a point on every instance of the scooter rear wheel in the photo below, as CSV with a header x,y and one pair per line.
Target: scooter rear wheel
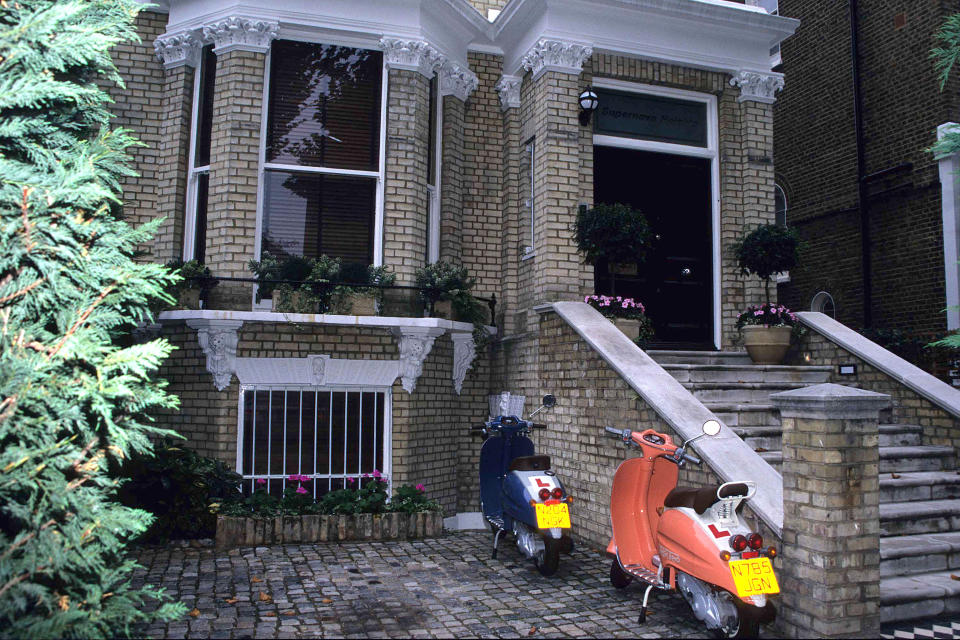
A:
x,y
548,563
618,577
748,626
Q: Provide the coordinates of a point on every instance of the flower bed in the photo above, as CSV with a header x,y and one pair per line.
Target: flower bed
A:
x,y
354,513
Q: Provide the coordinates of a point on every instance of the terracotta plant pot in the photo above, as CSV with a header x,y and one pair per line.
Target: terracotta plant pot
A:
x,y
443,309
363,305
766,345
630,328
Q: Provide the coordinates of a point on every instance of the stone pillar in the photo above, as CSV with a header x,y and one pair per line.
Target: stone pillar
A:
x,y
241,45
513,211
757,95
410,65
555,75
830,568
180,54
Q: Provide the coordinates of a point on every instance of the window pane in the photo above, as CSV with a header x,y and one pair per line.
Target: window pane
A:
x,y
208,73
311,214
324,106
432,134
200,226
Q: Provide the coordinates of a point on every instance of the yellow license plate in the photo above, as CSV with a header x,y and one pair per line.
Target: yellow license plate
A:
x,y
550,516
754,577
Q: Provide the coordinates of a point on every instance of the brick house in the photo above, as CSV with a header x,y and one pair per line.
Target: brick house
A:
x,y
877,210
399,132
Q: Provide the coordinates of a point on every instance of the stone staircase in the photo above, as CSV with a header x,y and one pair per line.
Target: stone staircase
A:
x,y
919,487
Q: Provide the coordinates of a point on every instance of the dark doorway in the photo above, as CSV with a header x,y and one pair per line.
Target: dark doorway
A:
x,y
675,284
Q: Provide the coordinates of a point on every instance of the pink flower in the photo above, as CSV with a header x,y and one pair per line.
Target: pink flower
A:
x,y
350,480
420,487
376,473
261,481
301,490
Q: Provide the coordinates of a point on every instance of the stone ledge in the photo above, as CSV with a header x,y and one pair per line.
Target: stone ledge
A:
x,y
246,532
915,378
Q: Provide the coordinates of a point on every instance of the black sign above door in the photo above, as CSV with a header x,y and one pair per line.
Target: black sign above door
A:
x,y
647,117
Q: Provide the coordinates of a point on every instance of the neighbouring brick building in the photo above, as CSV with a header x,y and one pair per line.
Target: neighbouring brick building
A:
x,y
399,132
892,201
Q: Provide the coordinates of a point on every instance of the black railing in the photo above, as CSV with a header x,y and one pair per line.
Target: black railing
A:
x,y
431,294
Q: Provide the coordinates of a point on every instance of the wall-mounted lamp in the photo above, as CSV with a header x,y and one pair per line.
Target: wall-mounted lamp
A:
x,y
588,104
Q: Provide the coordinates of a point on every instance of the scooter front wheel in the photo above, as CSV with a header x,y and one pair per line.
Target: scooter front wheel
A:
x,y
618,577
548,563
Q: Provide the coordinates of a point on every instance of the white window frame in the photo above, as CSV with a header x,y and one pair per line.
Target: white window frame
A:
x,y
264,166
784,276
386,433
530,250
433,190
193,173
710,152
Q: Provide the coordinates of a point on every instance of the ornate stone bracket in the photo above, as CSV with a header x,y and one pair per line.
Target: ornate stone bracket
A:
x,y
243,34
464,351
456,81
509,89
415,346
411,55
555,55
758,87
178,49
218,339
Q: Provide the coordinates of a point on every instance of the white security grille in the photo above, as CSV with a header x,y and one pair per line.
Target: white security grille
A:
x,y
329,435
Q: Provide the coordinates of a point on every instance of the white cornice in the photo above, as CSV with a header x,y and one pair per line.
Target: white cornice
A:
x,y
411,55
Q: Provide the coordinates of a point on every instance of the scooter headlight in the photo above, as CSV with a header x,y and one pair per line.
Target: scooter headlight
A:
x,y
544,494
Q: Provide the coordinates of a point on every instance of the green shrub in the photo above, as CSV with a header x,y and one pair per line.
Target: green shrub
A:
x,y
177,486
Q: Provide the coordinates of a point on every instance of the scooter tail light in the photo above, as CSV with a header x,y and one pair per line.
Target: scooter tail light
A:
x,y
738,543
557,493
544,494
755,540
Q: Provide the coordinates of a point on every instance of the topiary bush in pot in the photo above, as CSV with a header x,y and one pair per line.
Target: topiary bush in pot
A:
x,y
610,234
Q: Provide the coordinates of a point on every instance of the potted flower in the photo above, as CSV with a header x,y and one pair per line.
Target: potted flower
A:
x,y
313,294
766,331
440,283
196,283
627,314
614,235
361,298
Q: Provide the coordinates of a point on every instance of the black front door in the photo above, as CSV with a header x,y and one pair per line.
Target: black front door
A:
x,y
675,284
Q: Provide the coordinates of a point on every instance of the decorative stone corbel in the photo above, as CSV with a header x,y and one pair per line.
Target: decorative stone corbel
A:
x,y
464,351
509,89
555,55
178,49
218,339
758,87
411,55
456,80
415,345
243,34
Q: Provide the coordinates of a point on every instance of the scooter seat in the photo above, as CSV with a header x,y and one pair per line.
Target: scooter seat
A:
x,y
530,463
703,498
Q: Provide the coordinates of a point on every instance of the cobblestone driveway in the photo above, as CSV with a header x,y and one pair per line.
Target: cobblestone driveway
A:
x,y
444,588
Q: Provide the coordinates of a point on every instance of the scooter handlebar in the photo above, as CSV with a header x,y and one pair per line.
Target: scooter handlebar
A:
x,y
538,425
478,427
616,432
689,457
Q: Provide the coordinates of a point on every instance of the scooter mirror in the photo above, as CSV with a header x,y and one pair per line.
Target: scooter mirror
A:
x,y
711,427
549,401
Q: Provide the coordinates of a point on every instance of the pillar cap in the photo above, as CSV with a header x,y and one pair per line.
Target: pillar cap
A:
x,y
830,402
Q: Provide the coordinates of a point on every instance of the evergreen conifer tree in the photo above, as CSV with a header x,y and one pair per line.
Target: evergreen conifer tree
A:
x,y
72,400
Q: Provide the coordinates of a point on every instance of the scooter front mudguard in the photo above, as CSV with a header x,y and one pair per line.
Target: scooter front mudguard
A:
x,y
636,494
493,466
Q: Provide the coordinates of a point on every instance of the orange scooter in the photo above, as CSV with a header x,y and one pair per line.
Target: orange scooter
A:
x,y
688,539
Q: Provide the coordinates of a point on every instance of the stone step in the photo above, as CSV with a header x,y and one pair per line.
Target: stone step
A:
x,y
919,596
748,373
900,435
744,414
923,553
911,518
763,437
737,392
668,356
915,458
919,485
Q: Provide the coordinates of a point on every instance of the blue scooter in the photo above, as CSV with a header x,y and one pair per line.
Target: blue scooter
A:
x,y
520,494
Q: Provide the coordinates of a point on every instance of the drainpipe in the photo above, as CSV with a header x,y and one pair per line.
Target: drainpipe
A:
x,y
863,204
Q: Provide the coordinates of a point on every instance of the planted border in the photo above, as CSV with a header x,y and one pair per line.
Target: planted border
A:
x,y
234,531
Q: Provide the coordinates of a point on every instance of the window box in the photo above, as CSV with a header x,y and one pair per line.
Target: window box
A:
x,y
246,532
364,304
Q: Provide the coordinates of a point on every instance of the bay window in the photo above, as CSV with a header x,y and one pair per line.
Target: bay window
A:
x,y
198,170
322,155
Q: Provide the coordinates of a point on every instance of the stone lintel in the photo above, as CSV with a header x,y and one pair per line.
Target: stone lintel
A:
x,y
830,402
